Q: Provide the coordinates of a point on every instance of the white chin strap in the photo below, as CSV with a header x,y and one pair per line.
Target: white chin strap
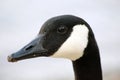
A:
x,y
73,48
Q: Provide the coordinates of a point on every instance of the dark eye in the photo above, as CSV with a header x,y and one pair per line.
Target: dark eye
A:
x,y
62,29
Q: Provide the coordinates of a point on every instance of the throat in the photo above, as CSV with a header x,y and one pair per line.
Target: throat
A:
x,y
88,67
87,70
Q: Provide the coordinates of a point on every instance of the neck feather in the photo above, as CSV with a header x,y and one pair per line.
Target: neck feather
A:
x,y
88,67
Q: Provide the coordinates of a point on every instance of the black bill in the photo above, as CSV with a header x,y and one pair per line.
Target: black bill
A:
x,y
33,49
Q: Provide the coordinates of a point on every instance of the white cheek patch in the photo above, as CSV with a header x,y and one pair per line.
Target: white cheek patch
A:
x,y
73,47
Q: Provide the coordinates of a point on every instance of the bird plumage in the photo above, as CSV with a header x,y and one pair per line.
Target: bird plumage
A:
x,y
68,37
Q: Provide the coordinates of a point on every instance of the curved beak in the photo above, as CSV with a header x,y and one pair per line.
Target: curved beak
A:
x,y
31,50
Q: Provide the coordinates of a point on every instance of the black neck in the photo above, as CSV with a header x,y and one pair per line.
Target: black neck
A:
x,y
88,67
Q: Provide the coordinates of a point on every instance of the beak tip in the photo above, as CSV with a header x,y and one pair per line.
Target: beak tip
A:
x,y
11,59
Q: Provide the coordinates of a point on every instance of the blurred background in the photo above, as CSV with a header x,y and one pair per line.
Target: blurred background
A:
x,y
20,22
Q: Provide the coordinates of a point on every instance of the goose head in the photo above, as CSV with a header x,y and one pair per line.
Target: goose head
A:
x,y
66,36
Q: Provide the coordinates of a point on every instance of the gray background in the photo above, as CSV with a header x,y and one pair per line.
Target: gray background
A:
x,y
20,22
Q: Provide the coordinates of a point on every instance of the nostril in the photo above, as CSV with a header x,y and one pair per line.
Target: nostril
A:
x,y
29,47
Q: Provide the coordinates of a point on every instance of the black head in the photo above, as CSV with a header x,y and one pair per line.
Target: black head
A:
x,y
61,36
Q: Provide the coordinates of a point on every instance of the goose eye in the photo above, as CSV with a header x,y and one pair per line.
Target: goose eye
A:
x,y
62,29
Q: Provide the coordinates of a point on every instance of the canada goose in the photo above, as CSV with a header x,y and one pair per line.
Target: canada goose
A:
x,y
69,37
